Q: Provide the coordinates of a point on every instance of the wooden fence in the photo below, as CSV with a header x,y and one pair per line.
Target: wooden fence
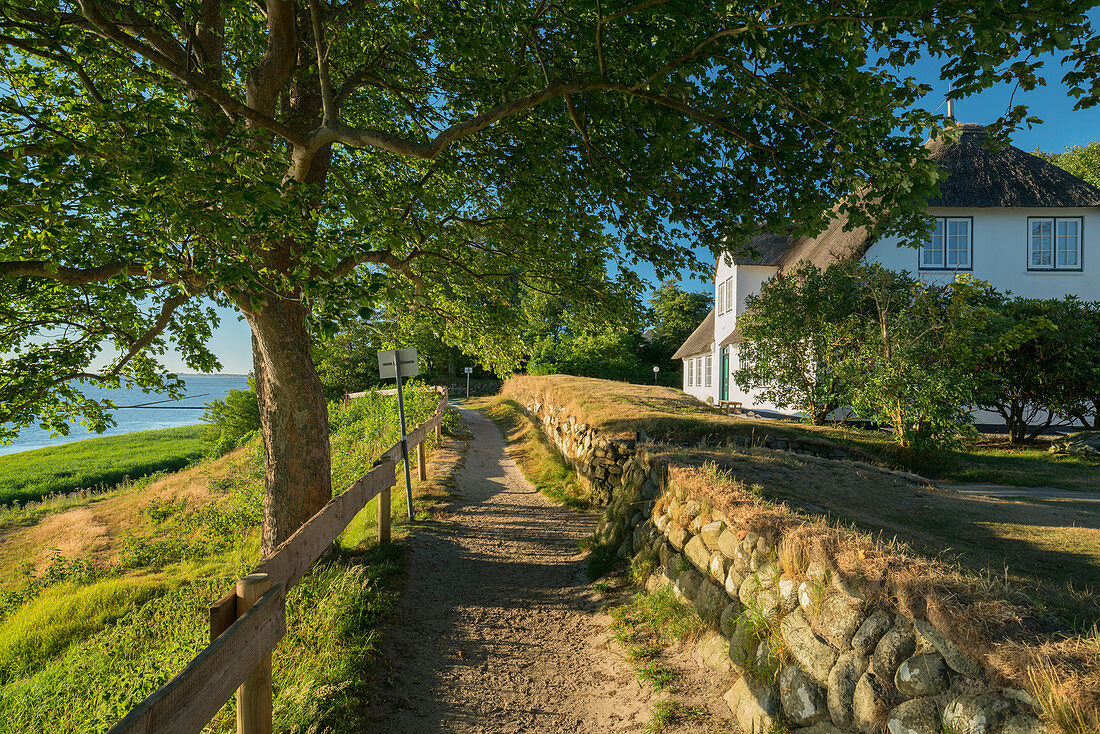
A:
x,y
249,620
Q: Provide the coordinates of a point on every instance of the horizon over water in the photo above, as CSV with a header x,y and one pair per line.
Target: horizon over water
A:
x,y
200,389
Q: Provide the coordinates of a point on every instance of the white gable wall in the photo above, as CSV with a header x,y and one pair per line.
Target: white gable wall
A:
x,y
1000,253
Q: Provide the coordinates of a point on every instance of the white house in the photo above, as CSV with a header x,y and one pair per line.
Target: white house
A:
x,y
1005,216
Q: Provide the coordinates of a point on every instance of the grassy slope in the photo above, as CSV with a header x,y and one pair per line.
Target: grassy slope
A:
x,y
623,409
87,632
31,475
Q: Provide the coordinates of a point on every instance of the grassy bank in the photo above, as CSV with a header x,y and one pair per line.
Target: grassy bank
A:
x,y
101,604
96,463
621,409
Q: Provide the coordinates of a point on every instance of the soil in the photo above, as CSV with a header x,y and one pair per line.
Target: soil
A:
x,y
498,629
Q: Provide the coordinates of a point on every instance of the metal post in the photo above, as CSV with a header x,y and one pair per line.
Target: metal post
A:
x,y
404,440
467,385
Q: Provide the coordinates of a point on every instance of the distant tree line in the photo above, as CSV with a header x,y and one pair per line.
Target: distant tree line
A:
x,y
559,336
919,356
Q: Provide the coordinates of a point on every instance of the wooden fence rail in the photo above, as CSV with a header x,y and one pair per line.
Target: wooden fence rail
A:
x,y
243,634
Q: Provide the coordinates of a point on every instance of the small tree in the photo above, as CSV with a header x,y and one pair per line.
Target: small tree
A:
x,y
912,354
792,339
1038,365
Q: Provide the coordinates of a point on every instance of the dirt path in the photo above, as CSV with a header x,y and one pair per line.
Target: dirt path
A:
x,y
1041,493
497,630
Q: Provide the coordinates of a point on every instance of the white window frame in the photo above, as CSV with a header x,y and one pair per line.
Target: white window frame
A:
x,y
709,362
721,298
940,230
690,371
729,294
1055,245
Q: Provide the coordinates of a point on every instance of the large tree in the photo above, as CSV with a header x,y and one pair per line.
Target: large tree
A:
x,y
300,158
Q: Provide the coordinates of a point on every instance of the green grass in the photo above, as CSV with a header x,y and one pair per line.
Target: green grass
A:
x,y
96,463
671,711
84,641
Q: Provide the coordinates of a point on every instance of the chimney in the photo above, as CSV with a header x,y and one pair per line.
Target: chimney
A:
x,y
951,110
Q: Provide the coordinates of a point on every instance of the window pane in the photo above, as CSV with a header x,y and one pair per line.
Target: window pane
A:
x,y
958,243
1042,242
932,255
1068,243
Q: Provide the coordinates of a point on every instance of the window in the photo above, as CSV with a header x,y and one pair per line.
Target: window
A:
x,y
729,294
948,247
690,371
710,364
721,298
1054,243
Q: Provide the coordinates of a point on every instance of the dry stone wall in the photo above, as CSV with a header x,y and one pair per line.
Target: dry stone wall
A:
x,y
804,653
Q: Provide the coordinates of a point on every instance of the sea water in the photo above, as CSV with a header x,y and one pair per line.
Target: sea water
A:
x,y
159,411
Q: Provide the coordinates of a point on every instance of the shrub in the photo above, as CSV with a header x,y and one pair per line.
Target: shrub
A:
x,y
233,420
1045,350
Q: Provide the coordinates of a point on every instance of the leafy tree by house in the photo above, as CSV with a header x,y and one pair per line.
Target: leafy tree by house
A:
x,y
914,346
794,336
296,159
1079,328
1037,364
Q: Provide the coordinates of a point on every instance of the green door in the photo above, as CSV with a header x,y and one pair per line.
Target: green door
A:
x,y
724,380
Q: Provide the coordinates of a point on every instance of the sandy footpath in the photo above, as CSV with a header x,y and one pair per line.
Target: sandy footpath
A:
x,y
498,630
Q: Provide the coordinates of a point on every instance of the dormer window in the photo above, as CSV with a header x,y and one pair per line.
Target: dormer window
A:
x,y
949,245
1054,243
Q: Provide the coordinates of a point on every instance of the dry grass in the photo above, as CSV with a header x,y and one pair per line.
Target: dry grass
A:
x,y
620,410
97,529
1048,548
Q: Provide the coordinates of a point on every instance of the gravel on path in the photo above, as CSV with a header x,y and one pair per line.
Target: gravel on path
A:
x,y
498,630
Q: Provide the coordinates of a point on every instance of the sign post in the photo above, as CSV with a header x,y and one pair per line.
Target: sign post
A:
x,y
468,371
398,363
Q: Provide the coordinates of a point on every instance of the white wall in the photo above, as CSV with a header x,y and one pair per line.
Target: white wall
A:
x,y
1000,253
699,388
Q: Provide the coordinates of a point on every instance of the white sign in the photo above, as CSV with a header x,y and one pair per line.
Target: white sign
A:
x,y
469,370
389,360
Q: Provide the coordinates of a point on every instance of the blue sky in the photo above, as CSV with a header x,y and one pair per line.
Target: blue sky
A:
x,y
1062,128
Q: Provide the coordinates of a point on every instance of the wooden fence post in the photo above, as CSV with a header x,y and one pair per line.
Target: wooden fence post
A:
x,y
439,431
422,459
384,516
254,695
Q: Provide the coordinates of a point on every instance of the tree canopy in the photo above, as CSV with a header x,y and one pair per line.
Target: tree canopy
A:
x,y
303,159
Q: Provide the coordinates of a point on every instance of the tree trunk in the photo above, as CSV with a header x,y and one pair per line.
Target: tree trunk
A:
x,y
293,420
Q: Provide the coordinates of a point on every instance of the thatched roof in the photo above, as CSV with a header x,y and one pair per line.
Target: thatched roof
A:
x,y
1004,176
700,339
768,248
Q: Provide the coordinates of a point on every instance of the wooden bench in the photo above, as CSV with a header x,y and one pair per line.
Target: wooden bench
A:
x,y
729,406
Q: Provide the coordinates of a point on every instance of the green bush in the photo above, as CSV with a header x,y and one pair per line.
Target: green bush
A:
x,y
232,420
